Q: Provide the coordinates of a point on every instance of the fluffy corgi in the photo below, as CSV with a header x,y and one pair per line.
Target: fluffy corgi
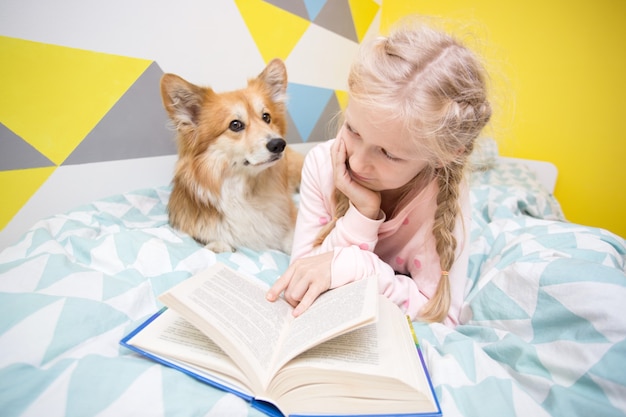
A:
x,y
235,175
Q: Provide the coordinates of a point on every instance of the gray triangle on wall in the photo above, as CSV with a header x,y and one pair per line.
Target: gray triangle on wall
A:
x,y
327,125
135,127
292,135
296,7
336,16
16,153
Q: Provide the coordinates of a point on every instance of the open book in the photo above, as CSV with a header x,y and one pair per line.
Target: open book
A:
x,y
351,352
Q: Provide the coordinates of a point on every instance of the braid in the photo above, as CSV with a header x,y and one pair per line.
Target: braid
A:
x,y
449,179
443,230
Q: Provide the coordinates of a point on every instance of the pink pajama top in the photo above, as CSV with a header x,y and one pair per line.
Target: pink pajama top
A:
x,y
400,251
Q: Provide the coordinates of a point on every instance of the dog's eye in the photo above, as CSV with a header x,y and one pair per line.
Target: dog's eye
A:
x,y
267,118
236,125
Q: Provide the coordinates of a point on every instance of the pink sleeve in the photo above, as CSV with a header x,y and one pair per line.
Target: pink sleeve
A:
x,y
314,208
354,233
315,211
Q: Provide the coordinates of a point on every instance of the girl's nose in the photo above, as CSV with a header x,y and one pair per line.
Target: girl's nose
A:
x,y
356,159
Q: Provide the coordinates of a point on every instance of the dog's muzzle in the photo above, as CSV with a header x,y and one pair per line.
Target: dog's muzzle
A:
x,y
276,147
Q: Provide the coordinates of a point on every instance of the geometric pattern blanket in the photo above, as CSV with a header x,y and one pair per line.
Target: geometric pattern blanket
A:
x,y
542,328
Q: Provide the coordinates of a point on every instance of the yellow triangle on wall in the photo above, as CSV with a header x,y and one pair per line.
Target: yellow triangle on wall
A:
x,y
363,13
275,31
342,99
53,96
20,185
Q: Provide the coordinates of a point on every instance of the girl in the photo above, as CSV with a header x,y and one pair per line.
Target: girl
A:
x,y
387,197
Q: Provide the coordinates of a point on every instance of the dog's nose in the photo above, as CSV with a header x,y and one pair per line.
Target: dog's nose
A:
x,y
276,145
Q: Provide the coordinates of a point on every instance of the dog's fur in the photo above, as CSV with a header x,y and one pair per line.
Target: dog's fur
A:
x,y
235,176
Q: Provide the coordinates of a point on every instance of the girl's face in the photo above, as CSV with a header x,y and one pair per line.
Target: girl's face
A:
x,y
380,156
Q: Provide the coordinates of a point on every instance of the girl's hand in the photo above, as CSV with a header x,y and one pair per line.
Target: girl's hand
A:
x,y
304,280
363,199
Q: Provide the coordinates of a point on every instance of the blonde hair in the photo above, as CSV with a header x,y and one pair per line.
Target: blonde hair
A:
x,y
436,87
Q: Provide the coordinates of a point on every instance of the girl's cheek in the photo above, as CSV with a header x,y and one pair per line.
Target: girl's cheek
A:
x,y
345,137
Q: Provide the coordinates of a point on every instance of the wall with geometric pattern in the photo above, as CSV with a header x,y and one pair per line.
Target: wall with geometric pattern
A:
x,y
81,115
67,64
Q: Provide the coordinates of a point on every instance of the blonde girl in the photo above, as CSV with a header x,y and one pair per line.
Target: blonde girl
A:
x,y
388,197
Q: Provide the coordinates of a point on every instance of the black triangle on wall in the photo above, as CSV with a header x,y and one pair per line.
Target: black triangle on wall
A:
x,y
16,153
135,127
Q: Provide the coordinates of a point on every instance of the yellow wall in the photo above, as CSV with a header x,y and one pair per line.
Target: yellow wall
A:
x,y
559,76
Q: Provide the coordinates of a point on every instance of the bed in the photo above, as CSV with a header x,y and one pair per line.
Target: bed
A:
x,y
542,332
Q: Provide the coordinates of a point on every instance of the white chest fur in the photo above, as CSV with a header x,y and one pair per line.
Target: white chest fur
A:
x,y
254,218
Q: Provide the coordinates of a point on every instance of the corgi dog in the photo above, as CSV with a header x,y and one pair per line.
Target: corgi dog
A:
x,y
235,175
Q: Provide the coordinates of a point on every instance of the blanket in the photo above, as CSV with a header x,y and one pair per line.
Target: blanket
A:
x,y
541,333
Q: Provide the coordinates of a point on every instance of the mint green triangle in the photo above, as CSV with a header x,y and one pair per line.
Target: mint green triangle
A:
x,y
80,320
552,321
100,381
491,303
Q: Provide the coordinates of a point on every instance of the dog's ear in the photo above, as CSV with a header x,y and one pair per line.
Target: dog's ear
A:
x,y
275,77
182,100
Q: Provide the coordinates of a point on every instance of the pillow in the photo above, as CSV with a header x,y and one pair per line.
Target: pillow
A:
x,y
484,155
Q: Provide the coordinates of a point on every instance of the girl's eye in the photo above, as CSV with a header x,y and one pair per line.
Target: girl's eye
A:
x,y
349,128
389,156
267,118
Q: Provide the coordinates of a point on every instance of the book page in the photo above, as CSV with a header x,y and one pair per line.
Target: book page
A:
x,y
231,309
377,362
359,347
334,312
175,339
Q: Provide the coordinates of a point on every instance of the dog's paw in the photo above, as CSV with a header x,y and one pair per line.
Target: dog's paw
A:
x,y
219,247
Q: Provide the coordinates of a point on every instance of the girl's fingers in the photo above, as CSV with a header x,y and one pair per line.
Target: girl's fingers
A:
x,y
304,280
279,286
338,154
342,178
296,292
307,300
